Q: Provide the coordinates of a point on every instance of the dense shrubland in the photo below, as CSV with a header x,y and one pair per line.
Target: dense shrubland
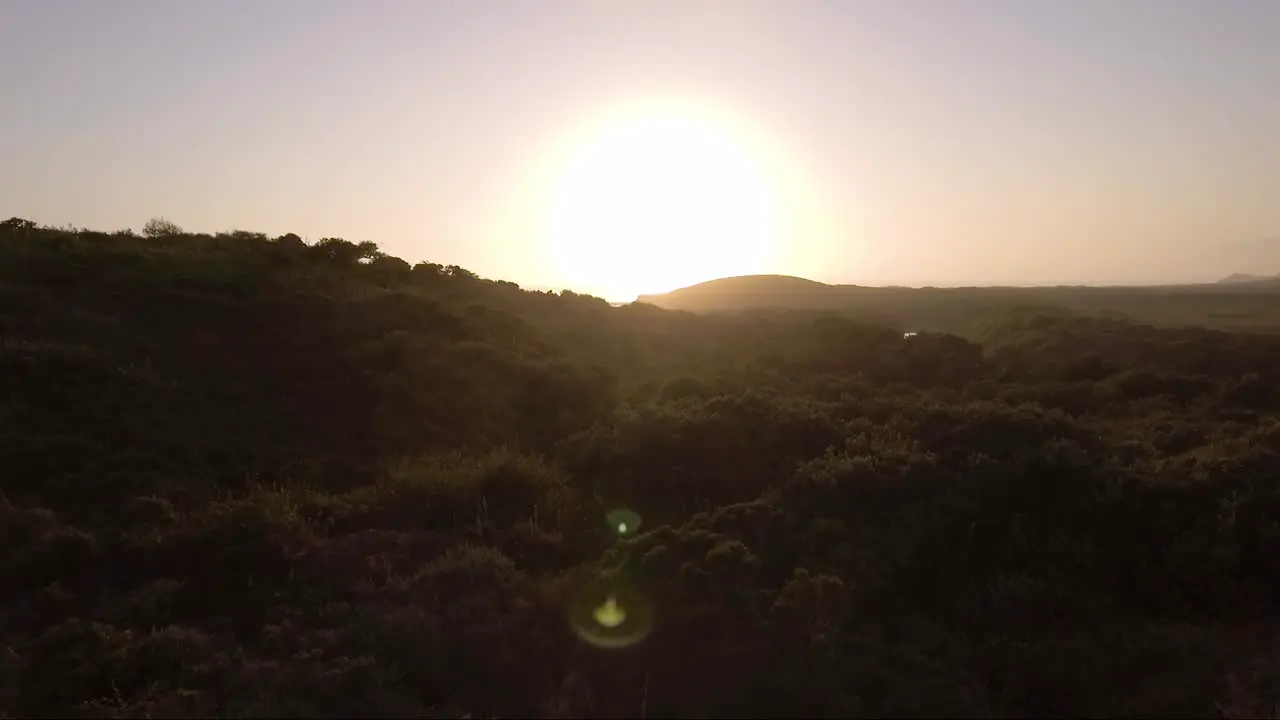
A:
x,y
243,476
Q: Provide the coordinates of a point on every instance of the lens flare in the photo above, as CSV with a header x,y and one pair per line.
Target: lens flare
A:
x,y
610,615
623,521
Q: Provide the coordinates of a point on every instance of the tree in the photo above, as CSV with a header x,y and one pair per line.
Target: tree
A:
x,y
389,268
17,224
159,227
345,252
368,251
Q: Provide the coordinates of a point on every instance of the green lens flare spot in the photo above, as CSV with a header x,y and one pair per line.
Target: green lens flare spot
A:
x,y
610,615
623,521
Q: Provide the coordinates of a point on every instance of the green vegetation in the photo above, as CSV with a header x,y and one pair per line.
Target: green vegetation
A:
x,y
243,476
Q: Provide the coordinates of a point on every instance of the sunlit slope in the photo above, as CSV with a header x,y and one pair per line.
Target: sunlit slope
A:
x,y
748,291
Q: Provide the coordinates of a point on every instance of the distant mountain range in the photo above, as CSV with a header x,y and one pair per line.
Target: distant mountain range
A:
x,y
1232,302
1249,278
1241,300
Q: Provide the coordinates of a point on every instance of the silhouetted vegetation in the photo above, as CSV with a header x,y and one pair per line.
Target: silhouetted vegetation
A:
x,y
247,476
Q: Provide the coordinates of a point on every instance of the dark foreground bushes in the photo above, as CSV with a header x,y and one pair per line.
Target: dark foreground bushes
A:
x,y
250,477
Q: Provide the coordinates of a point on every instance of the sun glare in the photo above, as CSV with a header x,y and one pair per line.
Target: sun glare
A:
x,y
649,201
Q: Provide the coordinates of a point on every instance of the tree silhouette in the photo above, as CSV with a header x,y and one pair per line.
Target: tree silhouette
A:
x,y
16,224
159,227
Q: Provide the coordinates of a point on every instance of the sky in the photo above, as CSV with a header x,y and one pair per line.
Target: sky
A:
x,y
619,146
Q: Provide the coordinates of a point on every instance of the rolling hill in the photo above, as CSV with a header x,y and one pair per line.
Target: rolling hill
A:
x,y
746,291
1248,278
964,310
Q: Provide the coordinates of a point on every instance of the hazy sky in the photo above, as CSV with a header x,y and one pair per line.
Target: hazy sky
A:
x,y
947,142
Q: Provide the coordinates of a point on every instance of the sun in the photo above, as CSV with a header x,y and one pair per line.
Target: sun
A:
x,y
655,199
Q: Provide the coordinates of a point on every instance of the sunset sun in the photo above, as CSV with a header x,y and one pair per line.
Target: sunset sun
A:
x,y
650,201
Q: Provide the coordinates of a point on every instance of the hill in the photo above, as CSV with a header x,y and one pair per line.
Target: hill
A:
x,y
1242,278
965,311
762,284
744,292
1245,279
245,476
